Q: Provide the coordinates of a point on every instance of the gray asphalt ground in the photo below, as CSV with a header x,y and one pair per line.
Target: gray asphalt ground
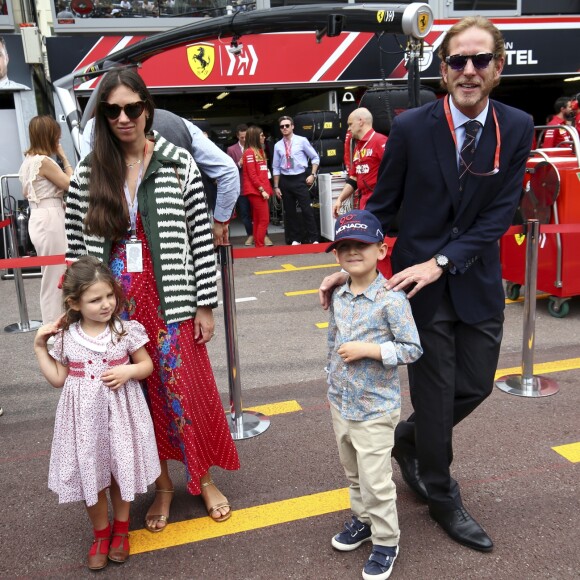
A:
x,y
525,494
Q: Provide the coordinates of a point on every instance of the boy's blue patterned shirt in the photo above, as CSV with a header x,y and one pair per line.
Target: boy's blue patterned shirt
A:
x,y
368,388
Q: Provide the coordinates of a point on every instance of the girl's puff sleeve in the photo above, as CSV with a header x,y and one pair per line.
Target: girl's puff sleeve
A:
x,y
57,352
136,335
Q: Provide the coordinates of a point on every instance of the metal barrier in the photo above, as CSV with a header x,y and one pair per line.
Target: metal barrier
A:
x,y
25,324
7,208
243,424
526,384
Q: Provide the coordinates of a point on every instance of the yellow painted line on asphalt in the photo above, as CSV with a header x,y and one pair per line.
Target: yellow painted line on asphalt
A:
x,y
521,298
322,325
300,292
292,268
243,520
571,451
277,408
556,366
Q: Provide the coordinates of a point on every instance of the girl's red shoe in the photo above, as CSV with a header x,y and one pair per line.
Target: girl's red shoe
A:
x,y
119,550
100,548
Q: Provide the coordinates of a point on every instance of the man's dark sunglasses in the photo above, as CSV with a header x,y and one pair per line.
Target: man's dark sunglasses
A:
x,y
480,60
132,110
285,126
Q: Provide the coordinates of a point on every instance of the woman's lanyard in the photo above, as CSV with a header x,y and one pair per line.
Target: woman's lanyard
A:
x,y
134,247
497,136
134,205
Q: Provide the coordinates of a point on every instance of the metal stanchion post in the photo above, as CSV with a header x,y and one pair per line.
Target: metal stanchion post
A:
x,y
526,384
25,325
6,207
243,424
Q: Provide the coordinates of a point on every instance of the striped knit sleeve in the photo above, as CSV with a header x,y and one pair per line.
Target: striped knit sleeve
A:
x,y
76,210
200,234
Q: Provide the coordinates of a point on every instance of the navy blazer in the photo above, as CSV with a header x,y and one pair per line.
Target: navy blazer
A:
x,y
419,176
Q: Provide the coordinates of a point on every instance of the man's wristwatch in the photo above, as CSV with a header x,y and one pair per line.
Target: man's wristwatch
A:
x,y
442,261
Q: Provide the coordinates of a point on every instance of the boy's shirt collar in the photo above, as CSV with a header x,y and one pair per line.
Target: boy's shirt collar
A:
x,y
370,292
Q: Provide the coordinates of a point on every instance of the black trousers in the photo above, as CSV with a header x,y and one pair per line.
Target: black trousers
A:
x,y
245,213
295,191
452,378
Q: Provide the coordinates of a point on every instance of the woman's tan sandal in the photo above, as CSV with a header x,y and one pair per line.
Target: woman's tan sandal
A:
x,y
151,520
218,506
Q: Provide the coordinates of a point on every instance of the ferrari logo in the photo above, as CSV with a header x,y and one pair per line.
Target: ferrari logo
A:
x,y
201,58
520,239
380,16
422,22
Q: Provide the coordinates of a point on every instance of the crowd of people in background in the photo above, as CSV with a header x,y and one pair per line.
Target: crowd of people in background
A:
x,y
565,114
151,8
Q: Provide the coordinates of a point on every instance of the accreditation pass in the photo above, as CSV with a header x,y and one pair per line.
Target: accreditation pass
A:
x,y
134,249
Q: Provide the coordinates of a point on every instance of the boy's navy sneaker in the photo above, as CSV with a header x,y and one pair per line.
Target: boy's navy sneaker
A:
x,y
380,563
354,534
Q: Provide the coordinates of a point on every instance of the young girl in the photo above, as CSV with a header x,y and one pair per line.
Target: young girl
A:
x,y
103,433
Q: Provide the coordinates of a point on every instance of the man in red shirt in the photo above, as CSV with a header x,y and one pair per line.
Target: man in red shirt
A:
x,y
362,176
563,112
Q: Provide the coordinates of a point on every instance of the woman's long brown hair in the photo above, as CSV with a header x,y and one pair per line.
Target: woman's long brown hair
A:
x,y
253,142
77,279
108,215
44,134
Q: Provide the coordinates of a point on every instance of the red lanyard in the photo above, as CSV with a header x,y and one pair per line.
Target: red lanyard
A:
x,y
497,134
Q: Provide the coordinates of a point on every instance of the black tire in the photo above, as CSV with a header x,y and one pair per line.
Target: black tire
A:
x,y
331,152
513,290
316,125
558,311
386,103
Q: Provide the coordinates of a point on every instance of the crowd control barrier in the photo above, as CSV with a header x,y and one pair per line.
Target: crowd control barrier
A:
x,y
10,239
526,384
9,205
25,324
243,424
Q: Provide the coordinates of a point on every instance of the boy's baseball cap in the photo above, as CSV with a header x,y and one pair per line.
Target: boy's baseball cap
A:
x,y
359,225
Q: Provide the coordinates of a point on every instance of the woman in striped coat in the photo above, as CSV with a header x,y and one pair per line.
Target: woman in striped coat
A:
x,y
137,203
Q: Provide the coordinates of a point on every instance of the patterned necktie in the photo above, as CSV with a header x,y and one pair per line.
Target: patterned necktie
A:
x,y
467,151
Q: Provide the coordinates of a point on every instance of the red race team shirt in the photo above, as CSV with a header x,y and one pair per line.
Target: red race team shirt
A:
x,y
365,164
553,137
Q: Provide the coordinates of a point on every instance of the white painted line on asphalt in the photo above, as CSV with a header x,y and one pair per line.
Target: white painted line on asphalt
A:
x,y
248,299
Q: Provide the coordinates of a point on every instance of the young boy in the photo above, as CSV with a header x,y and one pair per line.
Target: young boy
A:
x,y
371,331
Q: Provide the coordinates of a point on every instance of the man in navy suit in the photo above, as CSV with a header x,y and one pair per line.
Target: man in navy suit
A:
x,y
447,255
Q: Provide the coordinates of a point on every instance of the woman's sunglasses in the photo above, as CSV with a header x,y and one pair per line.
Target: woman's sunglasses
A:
x,y
480,60
132,110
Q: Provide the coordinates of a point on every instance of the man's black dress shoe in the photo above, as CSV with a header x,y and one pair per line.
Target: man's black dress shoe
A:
x,y
410,471
461,527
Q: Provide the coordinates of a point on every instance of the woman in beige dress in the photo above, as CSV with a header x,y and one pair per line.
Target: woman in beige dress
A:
x,y
43,185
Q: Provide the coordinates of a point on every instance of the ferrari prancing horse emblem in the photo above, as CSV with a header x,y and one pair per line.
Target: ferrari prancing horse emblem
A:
x,y
201,58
